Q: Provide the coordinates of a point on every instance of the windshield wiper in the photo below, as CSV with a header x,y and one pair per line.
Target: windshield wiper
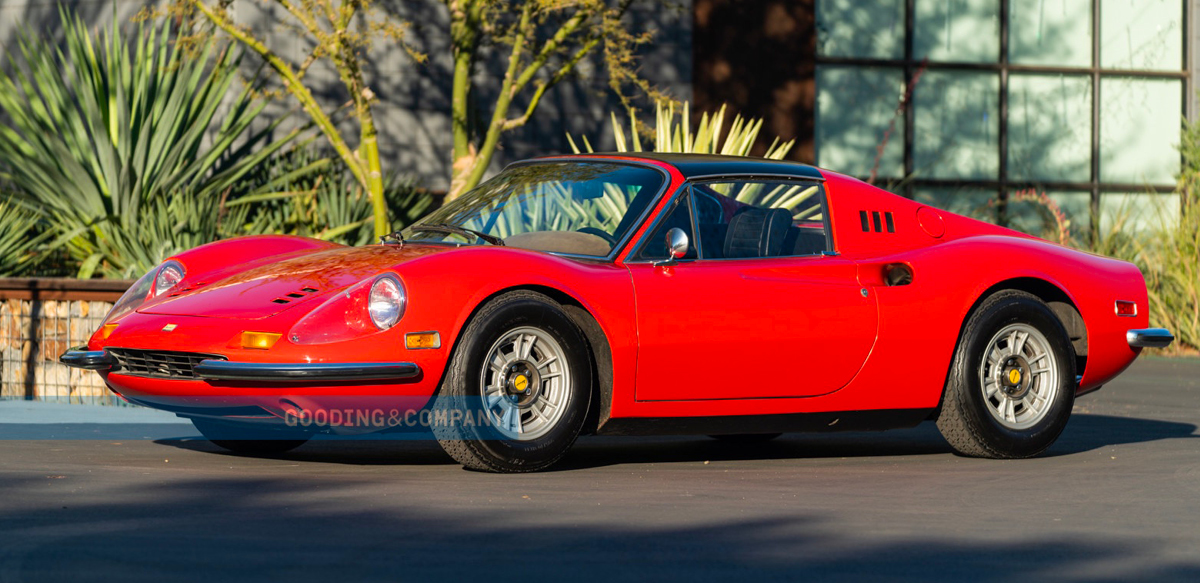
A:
x,y
393,236
457,230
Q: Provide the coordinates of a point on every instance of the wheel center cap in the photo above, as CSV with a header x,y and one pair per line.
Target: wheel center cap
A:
x,y
1014,377
521,383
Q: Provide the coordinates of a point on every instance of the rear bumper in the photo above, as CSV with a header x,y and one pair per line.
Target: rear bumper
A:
x,y
302,372
1149,337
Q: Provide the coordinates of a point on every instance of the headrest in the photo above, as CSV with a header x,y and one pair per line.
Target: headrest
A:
x,y
757,232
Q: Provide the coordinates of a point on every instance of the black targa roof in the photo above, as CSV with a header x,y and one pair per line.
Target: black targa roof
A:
x,y
697,165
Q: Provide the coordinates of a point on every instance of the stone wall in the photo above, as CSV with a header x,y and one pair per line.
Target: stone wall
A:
x,y
40,318
33,333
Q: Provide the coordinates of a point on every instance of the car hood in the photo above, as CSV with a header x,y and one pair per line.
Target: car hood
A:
x,y
266,290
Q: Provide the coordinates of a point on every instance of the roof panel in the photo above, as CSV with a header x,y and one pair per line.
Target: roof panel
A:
x,y
696,165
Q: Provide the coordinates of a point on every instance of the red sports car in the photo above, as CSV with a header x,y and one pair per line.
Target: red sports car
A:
x,y
632,294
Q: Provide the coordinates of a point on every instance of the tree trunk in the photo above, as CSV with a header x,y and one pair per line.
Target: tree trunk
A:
x,y
464,42
369,152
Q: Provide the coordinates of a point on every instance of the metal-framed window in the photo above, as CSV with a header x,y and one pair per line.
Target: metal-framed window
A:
x,y
889,46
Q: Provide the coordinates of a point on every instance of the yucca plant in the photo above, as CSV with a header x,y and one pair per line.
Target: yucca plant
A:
x,y
21,233
118,143
672,132
300,192
675,135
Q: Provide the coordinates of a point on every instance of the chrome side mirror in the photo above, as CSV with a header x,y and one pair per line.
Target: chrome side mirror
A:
x,y
677,246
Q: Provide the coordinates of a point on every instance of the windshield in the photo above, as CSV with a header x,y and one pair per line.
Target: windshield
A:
x,y
581,208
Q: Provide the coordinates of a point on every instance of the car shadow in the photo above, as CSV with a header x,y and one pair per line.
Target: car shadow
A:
x,y
339,450
281,528
1085,432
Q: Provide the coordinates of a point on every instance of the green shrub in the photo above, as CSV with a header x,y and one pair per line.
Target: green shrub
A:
x,y
1172,274
127,147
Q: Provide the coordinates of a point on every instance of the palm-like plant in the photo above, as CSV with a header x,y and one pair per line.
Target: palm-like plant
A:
x,y
119,145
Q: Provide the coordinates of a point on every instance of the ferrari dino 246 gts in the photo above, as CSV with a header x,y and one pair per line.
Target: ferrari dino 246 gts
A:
x,y
632,294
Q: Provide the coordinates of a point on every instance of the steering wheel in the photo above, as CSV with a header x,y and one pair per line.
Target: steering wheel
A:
x,y
599,233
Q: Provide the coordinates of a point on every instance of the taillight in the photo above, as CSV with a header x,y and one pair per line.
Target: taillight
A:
x,y
1126,308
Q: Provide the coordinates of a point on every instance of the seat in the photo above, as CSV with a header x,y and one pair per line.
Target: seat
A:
x,y
804,241
757,232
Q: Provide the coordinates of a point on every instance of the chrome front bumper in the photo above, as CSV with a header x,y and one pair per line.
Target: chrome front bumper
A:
x,y
272,372
224,370
1149,337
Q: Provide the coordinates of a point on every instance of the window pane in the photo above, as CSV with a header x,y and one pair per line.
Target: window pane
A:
x,y
861,28
1050,32
547,206
1128,214
1050,215
1141,34
679,217
1049,127
957,30
970,202
1139,128
854,108
956,127
749,219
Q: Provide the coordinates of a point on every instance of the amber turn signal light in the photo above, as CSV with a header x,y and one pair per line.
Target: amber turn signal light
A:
x,y
1126,308
107,330
419,340
259,340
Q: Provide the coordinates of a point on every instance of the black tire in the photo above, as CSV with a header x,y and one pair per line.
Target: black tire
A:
x,y
249,440
746,438
968,417
484,446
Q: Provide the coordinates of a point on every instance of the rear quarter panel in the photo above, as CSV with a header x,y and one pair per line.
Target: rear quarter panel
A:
x,y
920,323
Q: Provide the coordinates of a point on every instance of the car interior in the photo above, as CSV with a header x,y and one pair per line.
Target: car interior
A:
x,y
729,229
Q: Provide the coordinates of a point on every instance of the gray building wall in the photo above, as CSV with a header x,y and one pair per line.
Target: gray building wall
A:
x,y
413,113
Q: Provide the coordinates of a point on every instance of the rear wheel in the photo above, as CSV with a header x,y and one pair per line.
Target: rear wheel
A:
x,y
244,439
1011,386
517,390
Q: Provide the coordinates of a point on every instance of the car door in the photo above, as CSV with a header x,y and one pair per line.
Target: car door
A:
x,y
732,321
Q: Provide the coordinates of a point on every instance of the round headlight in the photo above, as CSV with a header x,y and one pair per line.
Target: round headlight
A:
x,y
386,302
169,275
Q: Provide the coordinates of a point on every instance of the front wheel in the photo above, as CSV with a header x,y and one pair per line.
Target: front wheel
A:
x,y
1012,383
517,390
249,440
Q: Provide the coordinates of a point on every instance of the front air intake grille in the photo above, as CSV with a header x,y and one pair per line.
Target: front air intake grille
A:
x,y
159,364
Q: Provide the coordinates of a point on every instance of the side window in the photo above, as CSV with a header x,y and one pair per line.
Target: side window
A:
x,y
679,216
756,218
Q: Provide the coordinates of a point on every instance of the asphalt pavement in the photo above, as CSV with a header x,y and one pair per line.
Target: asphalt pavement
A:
x,y
91,493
